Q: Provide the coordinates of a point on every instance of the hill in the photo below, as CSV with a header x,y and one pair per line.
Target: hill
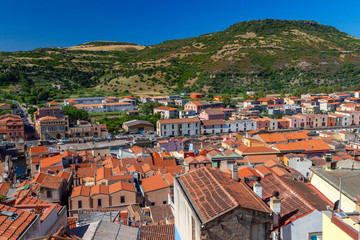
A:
x,y
272,56
106,46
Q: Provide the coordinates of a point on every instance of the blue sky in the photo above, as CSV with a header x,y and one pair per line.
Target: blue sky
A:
x,y
25,25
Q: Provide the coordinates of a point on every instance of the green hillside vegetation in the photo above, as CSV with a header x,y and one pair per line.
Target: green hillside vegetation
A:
x,y
267,56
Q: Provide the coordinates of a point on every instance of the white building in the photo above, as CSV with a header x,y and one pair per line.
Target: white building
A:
x,y
178,127
241,125
214,126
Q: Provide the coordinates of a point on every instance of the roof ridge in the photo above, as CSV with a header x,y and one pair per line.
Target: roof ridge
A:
x,y
294,192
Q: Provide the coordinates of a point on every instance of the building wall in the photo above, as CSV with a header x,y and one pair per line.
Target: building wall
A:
x,y
332,193
130,198
33,231
54,222
303,166
157,196
86,202
191,128
105,200
235,224
301,228
331,231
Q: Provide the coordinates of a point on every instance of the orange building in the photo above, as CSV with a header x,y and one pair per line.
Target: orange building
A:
x,y
197,95
331,121
11,128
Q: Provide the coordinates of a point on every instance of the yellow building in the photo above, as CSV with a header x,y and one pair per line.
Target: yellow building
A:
x,y
336,228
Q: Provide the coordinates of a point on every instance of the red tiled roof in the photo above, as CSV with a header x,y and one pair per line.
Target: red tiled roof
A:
x,y
4,188
316,145
298,198
13,229
39,149
26,200
53,182
81,191
213,192
169,178
99,189
256,159
103,173
64,174
153,183
296,135
246,171
253,150
263,170
166,108
121,186
272,137
155,232
51,161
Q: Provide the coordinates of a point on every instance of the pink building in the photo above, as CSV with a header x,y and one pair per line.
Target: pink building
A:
x,y
266,124
296,121
212,114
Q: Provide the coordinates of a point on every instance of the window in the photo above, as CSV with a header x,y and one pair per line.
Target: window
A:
x,y
48,194
99,202
79,204
164,202
152,204
122,199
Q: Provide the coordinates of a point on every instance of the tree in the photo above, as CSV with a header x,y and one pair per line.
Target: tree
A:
x,y
74,113
32,110
147,108
225,99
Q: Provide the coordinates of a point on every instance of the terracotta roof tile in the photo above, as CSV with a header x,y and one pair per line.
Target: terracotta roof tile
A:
x,y
298,198
99,189
263,170
13,229
272,137
314,145
245,172
257,159
121,186
53,182
102,173
4,188
155,232
153,183
81,191
213,192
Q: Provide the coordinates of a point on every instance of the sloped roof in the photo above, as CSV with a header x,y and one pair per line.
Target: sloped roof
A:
x,y
213,193
81,191
53,182
153,183
13,229
298,198
99,189
155,232
118,186
307,145
272,137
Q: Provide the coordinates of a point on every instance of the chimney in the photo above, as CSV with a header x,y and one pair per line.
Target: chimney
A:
x,y
257,187
275,205
235,172
328,160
